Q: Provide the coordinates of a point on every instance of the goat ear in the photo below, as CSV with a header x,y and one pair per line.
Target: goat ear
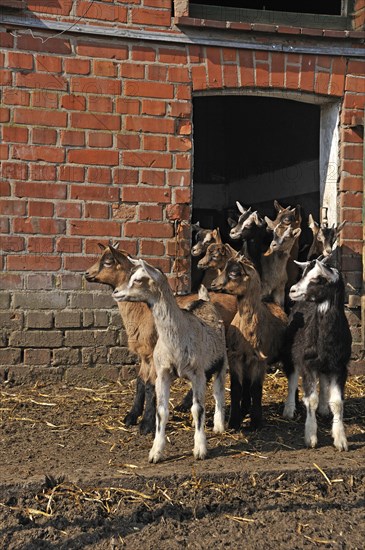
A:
x,y
258,220
195,226
297,232
340,227
297,210
240,207
101,246
312,224
270,223
120,258
326,271
217,236
231,222
154,273
278,207
113,244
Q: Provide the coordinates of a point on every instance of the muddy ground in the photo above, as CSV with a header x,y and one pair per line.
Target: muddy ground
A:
x,y
73,476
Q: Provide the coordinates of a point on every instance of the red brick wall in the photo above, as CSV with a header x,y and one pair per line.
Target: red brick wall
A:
x,y
97,144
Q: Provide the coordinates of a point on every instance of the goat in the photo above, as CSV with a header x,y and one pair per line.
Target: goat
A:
x,y
318,346
254,338
191,344
113,268
324,237
140,330
251,228
274,264
288,217
203,238
216,257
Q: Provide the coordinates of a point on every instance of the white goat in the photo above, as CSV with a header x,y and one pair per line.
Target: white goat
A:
x,y
191,344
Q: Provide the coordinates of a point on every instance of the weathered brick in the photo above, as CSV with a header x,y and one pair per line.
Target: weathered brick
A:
x,y
79,338
66,356
37,357
87,319
40,300
92,356
4,300
39,281
101,319
36,339
39,319
68,319
121,356
10,356
11,319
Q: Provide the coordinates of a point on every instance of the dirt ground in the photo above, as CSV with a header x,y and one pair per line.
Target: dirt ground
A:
x,y
73,476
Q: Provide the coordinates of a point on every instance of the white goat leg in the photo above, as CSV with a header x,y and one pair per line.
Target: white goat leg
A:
x,y
338,430
198,412
310,433
163,382
218,392
290,404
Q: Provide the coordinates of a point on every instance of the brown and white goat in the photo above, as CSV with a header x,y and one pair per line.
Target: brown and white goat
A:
x,y
113,269
203,238
254,338
215,259
190,344
274,264
324,237
288,217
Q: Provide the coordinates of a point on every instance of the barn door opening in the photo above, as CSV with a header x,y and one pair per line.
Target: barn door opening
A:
x,y
258,149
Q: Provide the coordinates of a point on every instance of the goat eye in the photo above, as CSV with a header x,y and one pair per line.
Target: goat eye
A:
x,y
108,263
137,282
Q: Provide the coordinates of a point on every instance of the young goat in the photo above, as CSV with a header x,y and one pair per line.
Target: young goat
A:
x,y
287,217
252,230
203,238
216,258
191,344
274,264
254,339
324,237
113,268
318,346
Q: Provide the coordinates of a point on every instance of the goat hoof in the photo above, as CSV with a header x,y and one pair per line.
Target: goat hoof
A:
x,y
200,453
234,425
289,412
340,442
131,419
146,427
154,456
311,441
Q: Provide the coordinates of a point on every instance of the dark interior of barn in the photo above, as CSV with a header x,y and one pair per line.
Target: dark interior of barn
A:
x,y
254,150
325,7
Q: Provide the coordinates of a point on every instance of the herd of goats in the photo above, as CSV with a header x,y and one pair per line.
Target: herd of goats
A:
x,y
257,311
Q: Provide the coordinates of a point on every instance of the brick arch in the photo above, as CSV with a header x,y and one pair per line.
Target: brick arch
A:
x,y
226,68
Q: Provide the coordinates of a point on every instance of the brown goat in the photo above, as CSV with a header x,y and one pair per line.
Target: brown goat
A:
x,y
215,258
324,237
254,338
113,268
288,217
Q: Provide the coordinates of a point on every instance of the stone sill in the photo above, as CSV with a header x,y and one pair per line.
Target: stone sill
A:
x,y
185,21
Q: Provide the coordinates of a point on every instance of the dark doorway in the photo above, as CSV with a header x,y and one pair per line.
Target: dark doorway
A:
x,y
254,150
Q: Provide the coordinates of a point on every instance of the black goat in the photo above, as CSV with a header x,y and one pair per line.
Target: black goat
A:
x,y
318,346
252,229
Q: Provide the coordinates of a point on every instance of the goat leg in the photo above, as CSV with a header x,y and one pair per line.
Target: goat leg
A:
x,y
148,422
138,404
